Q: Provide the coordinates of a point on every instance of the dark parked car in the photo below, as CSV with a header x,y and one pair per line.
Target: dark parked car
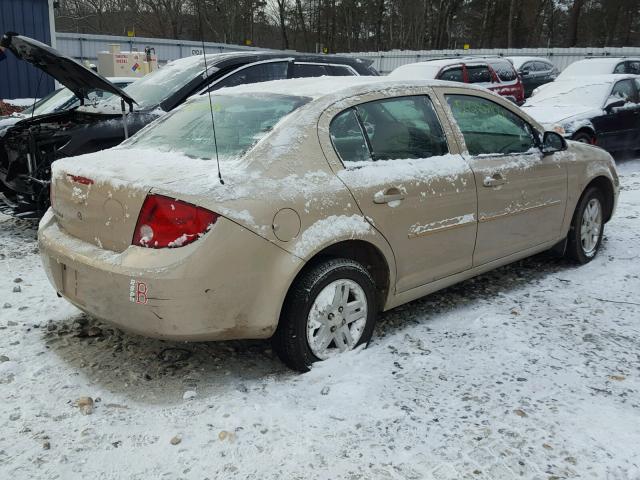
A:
x,y
58,101
534,71
493,73
28,148
602,110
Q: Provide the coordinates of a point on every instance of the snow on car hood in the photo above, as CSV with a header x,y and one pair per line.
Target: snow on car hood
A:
x,y
551,115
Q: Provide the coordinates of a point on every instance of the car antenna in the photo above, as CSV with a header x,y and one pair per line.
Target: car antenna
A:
x,y
35,99
206,73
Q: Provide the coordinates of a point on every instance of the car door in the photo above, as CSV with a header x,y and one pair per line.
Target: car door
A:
x,y
529,73
521,193
545,73
617,128
393,155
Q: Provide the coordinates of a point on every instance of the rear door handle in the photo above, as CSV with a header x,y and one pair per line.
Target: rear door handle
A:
x,y
494,181
392,194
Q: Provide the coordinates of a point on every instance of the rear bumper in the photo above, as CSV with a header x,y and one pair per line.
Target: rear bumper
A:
x,y
230,284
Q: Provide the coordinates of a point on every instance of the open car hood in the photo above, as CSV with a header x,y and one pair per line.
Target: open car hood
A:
x,y
76,77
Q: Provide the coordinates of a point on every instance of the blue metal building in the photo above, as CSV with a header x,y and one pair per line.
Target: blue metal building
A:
x,y
33,18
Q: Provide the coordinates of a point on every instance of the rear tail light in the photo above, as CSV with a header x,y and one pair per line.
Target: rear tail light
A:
x,y
167,223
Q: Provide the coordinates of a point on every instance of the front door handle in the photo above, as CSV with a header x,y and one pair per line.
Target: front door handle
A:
x,y
392,194
494,181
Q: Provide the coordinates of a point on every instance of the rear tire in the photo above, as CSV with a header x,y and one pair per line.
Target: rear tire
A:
x,y
331,308
587,227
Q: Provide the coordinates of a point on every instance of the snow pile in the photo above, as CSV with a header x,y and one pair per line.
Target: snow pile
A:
x,y
529,371
21,102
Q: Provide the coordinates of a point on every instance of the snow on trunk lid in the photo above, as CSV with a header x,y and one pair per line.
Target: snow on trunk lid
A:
x,y
102,213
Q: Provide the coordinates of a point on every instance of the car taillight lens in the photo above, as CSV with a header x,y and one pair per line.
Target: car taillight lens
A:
x,y
167,223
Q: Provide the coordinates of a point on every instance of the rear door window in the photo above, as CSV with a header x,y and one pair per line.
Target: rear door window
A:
x,y
348,138
489,128
308,70
543,67
392,129
479,74
262,72
340,71
452,75
402,128
620,68
528,67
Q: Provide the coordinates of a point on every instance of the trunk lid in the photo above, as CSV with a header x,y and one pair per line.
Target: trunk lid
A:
x,y
101,213
76,77
97,197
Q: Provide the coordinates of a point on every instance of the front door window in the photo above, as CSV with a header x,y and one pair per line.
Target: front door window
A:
x,y
489,128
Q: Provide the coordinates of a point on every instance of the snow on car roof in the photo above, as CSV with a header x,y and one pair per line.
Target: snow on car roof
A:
x,y
593,66
318,87
430,68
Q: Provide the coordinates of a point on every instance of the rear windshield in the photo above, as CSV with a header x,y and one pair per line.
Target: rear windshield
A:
x,y
240,122
505,71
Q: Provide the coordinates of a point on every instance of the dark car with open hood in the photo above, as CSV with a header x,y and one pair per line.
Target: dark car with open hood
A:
x,y
28,148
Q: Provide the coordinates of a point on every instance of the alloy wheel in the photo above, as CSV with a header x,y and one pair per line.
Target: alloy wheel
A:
x,y
337,318
591,227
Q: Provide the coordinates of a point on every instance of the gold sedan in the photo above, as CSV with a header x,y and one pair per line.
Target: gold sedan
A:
x,y
335,198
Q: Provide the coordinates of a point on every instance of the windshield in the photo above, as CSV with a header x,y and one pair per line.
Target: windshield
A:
x,y
240,121
572,93
51,102
65,99
153,89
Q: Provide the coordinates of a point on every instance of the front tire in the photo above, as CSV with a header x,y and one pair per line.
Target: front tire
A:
x,y
587,227
583,137
330,309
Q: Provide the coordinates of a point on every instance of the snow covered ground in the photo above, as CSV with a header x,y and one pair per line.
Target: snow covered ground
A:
x,y
21,102
531,371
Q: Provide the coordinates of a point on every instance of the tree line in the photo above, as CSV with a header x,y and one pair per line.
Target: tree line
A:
x,y
364,25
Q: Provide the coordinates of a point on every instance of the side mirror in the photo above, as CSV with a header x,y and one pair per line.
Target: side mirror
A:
x,y
553,142
613,103
524,72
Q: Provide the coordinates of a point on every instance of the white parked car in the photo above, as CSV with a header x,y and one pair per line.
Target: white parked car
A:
x,y
598,66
